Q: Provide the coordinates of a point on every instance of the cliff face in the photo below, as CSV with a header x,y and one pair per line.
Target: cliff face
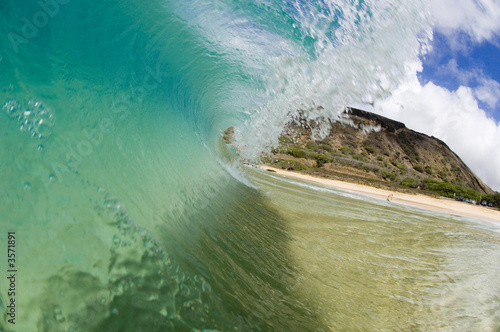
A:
x,y
367,147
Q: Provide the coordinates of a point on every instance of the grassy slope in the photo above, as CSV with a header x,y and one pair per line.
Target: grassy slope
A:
x,y
393,157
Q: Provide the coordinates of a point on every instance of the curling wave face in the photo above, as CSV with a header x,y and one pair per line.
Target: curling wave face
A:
x,y
130,212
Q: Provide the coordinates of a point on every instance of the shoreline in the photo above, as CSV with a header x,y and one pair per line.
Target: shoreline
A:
x,y
442,205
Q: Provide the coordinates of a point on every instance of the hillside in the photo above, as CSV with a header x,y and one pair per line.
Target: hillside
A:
x,y
368,148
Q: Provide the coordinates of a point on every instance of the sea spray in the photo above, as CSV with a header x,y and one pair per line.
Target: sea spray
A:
x,y
363,55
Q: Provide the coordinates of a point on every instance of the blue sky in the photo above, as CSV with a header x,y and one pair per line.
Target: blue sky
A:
x,y
456,95
470,65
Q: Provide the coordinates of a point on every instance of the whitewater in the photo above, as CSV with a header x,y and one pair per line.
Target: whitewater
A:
x,y
131,214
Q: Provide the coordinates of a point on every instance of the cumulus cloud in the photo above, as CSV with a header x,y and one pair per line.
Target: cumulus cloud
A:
x,y
461,118
486,90
454,117
480,19
463,77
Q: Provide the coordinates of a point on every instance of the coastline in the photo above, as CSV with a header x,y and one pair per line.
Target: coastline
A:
x,y
442,205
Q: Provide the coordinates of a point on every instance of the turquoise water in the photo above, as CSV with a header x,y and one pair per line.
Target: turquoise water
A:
x,y
130,214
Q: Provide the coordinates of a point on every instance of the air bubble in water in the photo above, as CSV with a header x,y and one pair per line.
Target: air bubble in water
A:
x,y
29,115
42,128
12,108
33,116
44,123
58,315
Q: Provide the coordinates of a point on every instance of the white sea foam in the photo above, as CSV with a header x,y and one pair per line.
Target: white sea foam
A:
x,y
361,62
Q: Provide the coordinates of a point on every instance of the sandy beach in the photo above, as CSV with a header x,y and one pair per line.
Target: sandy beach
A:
x,y
442,205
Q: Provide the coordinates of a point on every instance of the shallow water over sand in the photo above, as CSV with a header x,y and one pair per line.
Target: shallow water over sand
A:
x,y
372,265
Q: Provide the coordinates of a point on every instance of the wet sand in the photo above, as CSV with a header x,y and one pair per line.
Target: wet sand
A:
x,y
443,205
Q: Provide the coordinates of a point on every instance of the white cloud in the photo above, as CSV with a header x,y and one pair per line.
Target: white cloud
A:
x,y
480,19
488,92
455,118
463,77
485,89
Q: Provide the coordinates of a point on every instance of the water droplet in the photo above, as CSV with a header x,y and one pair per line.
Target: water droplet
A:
x,y
44,123
116,241
29,116
185,290
12,107
34,117
58,314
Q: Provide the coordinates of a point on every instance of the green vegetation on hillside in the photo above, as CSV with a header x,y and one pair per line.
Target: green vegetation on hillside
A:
x,y
395,158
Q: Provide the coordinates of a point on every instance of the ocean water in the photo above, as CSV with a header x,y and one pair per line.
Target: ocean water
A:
x,y
131,214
